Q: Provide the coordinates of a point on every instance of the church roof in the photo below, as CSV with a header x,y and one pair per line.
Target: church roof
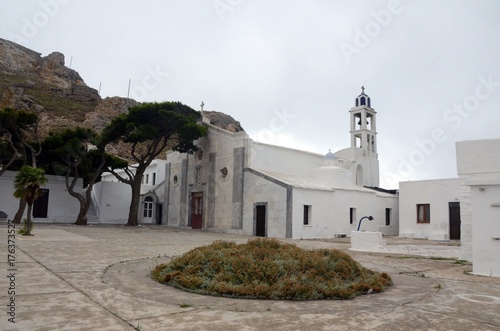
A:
x,y
296,181
307,183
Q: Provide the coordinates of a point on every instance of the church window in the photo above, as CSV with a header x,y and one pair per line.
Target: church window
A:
x,y
362,101
147,179
424,213
175,180
307,214
154,178
352,215
388,212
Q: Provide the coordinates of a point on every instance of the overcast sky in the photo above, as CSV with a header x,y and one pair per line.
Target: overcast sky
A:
x,y
289,71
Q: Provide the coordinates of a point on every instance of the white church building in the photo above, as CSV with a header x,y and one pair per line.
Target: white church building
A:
x,y
234,184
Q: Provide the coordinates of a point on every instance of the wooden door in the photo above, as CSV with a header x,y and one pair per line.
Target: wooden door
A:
x,y
197,210
454,220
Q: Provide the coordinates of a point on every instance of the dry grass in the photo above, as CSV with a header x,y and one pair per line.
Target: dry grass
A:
x,y
269,269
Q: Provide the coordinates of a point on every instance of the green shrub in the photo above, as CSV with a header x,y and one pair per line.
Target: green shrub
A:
x,y
24,229
269,269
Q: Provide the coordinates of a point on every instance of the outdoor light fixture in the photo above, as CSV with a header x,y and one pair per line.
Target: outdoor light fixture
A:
x,y
370,218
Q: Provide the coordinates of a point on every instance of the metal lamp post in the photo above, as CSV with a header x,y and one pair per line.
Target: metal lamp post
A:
x,y
370,218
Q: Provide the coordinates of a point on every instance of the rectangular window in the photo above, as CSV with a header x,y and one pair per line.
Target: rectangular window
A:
x,y
148,207
41,205
154,178
147,179
424,213
307,215
388,212
352,215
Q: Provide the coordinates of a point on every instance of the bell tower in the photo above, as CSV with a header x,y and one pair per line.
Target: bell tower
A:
x,y
364,125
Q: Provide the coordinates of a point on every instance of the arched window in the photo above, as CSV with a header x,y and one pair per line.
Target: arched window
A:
x,y
148,207
362,100
359,175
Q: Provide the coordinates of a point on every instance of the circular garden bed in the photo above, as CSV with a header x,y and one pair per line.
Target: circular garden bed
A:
x,y
269,269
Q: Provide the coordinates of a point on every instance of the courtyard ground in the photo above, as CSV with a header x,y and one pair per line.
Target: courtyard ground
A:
x,y
97,278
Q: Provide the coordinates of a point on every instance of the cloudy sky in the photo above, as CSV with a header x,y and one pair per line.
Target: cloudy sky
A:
x,y
289,71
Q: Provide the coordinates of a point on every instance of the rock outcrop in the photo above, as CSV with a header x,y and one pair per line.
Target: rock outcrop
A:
x,y
61,98
223,121
43,84
105,111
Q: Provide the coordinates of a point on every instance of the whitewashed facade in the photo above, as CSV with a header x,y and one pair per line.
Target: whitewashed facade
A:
x,y
113,197
55,205
233,184
441,198
478,165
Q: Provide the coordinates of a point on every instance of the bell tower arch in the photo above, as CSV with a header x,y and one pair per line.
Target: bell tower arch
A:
x,y
364,125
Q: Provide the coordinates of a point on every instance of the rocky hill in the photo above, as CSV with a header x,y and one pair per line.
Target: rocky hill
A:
x,y
45,85
60,96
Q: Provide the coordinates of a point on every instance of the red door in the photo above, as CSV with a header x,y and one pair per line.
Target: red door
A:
x,y
197,210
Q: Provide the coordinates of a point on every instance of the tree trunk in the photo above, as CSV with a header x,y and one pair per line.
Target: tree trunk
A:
x,y
134,203
28,219
85,201
84,206
20,211
81,219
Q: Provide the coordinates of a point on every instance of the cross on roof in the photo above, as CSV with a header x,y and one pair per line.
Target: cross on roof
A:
x,y
362,90
202,105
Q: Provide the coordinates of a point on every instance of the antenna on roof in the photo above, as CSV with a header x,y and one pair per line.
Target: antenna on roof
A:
x,y
128,93
71,61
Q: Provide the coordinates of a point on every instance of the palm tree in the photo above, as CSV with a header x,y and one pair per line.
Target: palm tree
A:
x,y
27,185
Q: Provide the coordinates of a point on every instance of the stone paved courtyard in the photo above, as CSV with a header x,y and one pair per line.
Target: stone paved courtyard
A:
x,y
97,278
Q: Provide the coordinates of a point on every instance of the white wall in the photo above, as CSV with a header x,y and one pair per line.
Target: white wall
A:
x,y
368,162
330,214
437,193
474,157
478,165
260,190
486,228
284,160
62,207
114,201
157,166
